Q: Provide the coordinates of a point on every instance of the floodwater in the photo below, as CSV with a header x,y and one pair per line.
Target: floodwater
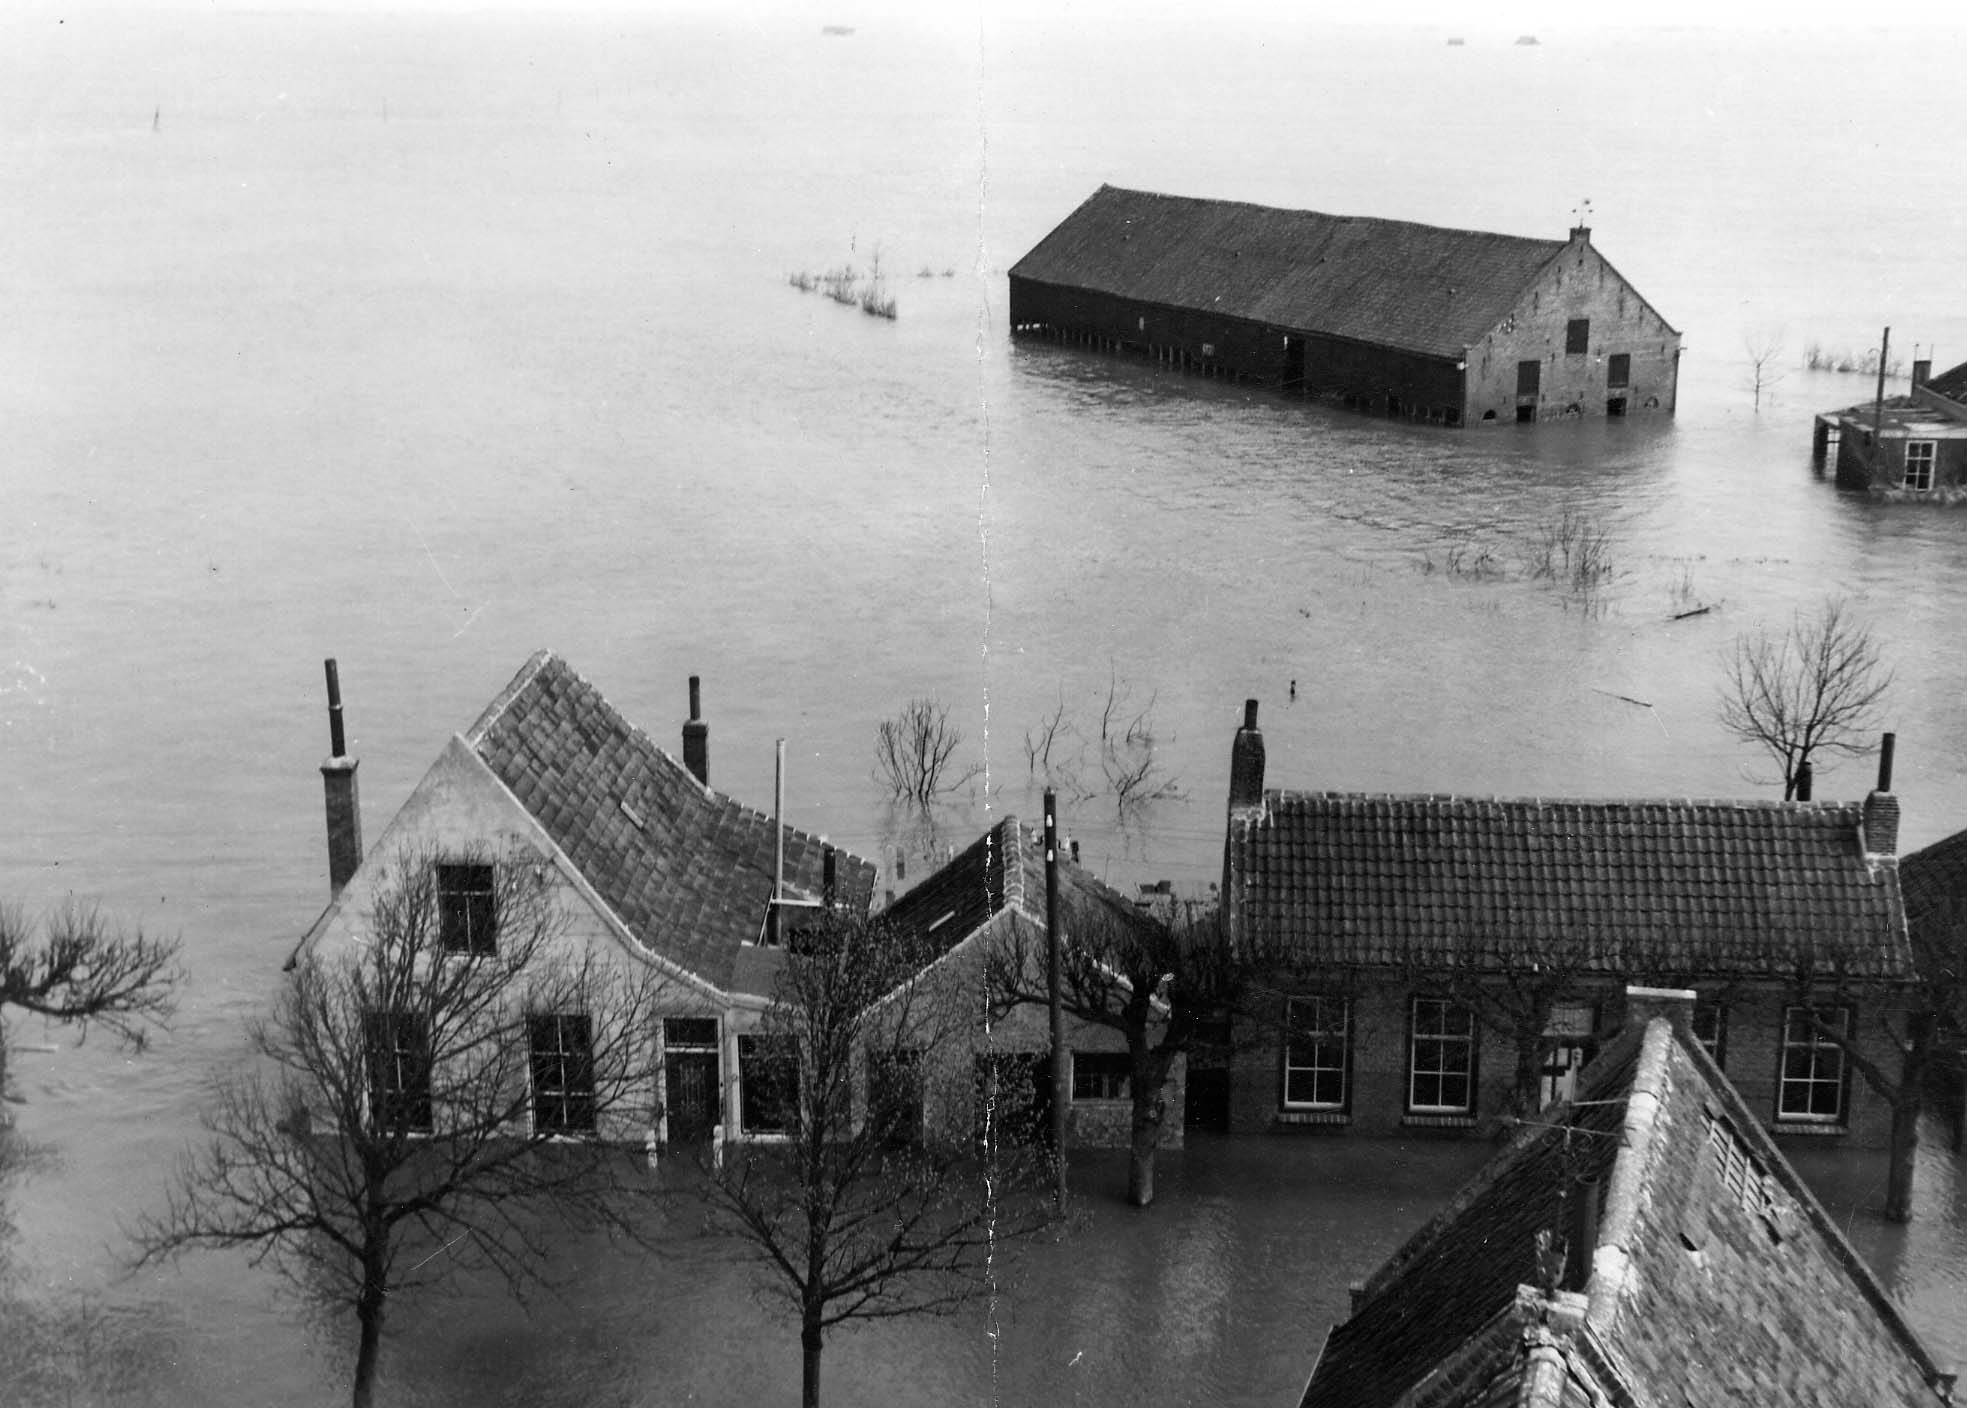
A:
x,y
425,342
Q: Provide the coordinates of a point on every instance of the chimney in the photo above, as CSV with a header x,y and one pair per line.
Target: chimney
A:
x,y
829,874
1922,369
1806,780
696,738
1583,1234
344,801
1644,1004
1881,807
1581,234
1246,762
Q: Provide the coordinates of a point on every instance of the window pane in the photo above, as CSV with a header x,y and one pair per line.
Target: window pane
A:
x,y
1316,1039
768,1083
399,1071
562,1059
466,921
698,1032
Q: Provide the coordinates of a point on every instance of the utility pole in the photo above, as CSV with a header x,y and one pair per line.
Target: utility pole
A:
x,y
1878,405
1061,1080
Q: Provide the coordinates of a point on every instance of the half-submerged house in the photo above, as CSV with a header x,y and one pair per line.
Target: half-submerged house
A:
x,y
652,867
1645,1244
1902,447
1442,956
1450,326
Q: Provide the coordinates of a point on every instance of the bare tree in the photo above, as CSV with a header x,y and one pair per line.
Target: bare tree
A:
x,y
1134,773
1814,690
915,753
1163,983
429,1103
1764,346
866,1201
80,969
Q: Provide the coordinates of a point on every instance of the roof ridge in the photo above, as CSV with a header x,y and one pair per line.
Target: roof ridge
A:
x,y
528,672
1554,245
1731,803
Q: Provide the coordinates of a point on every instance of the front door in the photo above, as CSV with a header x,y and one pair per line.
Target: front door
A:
x,y
691,1095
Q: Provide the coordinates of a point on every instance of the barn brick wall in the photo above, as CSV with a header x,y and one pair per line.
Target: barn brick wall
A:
x,y
1578,284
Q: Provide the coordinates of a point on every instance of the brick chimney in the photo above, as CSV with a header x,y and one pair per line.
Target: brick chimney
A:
x,y
344,801
696,738
1246,762
1881,807
1922,371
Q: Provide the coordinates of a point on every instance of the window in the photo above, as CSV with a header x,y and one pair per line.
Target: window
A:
x,y
894,1094
1529,378
1569,1048
1441,1059
1618,369
467,918
1317,1041
399,1071
562,1050
1919,464
768,1084
1101,1075
1711,1029
1811,1079
693,1097
1577,336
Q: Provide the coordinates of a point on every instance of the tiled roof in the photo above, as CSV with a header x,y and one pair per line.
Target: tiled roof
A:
x,y
1003,869
1951,383
685,868
1651,887
1385,282
1715,1276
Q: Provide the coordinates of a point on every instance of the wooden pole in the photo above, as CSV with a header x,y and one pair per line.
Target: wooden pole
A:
x,y
778,845
1061,1080
1878,405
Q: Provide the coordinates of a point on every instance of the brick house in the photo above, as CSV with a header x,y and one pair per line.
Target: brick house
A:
x,y
1436,955
990,898
1456,327
1647,1243
652,867
1911,447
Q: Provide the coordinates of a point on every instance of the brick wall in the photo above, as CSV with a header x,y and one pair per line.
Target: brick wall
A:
x,y
1378,1076
1579,284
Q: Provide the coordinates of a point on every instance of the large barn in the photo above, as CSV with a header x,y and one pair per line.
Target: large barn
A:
x,y
1450,326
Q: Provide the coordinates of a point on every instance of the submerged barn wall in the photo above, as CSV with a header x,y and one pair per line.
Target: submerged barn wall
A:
x,y
1575,375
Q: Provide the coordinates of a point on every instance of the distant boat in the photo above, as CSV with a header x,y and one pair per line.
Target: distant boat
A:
x,y
836,30
156,120
1526,39
1455,42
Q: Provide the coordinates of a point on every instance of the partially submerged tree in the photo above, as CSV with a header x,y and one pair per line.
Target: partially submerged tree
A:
x,y
1764,346
1812,691
865,1201
430,1101
1163,983
79,968
915,753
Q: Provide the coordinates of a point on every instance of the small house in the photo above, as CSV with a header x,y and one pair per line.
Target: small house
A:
x,y
1455,327
1911,447
1645,1243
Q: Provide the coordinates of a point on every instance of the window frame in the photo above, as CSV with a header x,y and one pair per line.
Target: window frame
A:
x,y
1529,377
1102,1075
1319,1035
1929,457
467,908
1813,1046
752,1122
1618,371
1577,337
401,1100
561,1072
1468,1041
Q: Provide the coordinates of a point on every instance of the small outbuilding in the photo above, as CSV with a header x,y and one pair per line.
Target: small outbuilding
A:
x,y
1911,447
1401,319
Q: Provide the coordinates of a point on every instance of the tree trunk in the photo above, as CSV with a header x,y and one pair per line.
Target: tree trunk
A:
x,y
368,1312
1146,1138
810,1343
1905,1153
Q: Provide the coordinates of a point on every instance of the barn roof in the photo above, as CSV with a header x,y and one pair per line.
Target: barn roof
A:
x,y
686,869
1720,888
1422,288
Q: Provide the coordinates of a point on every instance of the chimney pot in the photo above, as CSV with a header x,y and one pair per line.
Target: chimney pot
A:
x,y
1886,747
1922,368
1806,780
696,738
